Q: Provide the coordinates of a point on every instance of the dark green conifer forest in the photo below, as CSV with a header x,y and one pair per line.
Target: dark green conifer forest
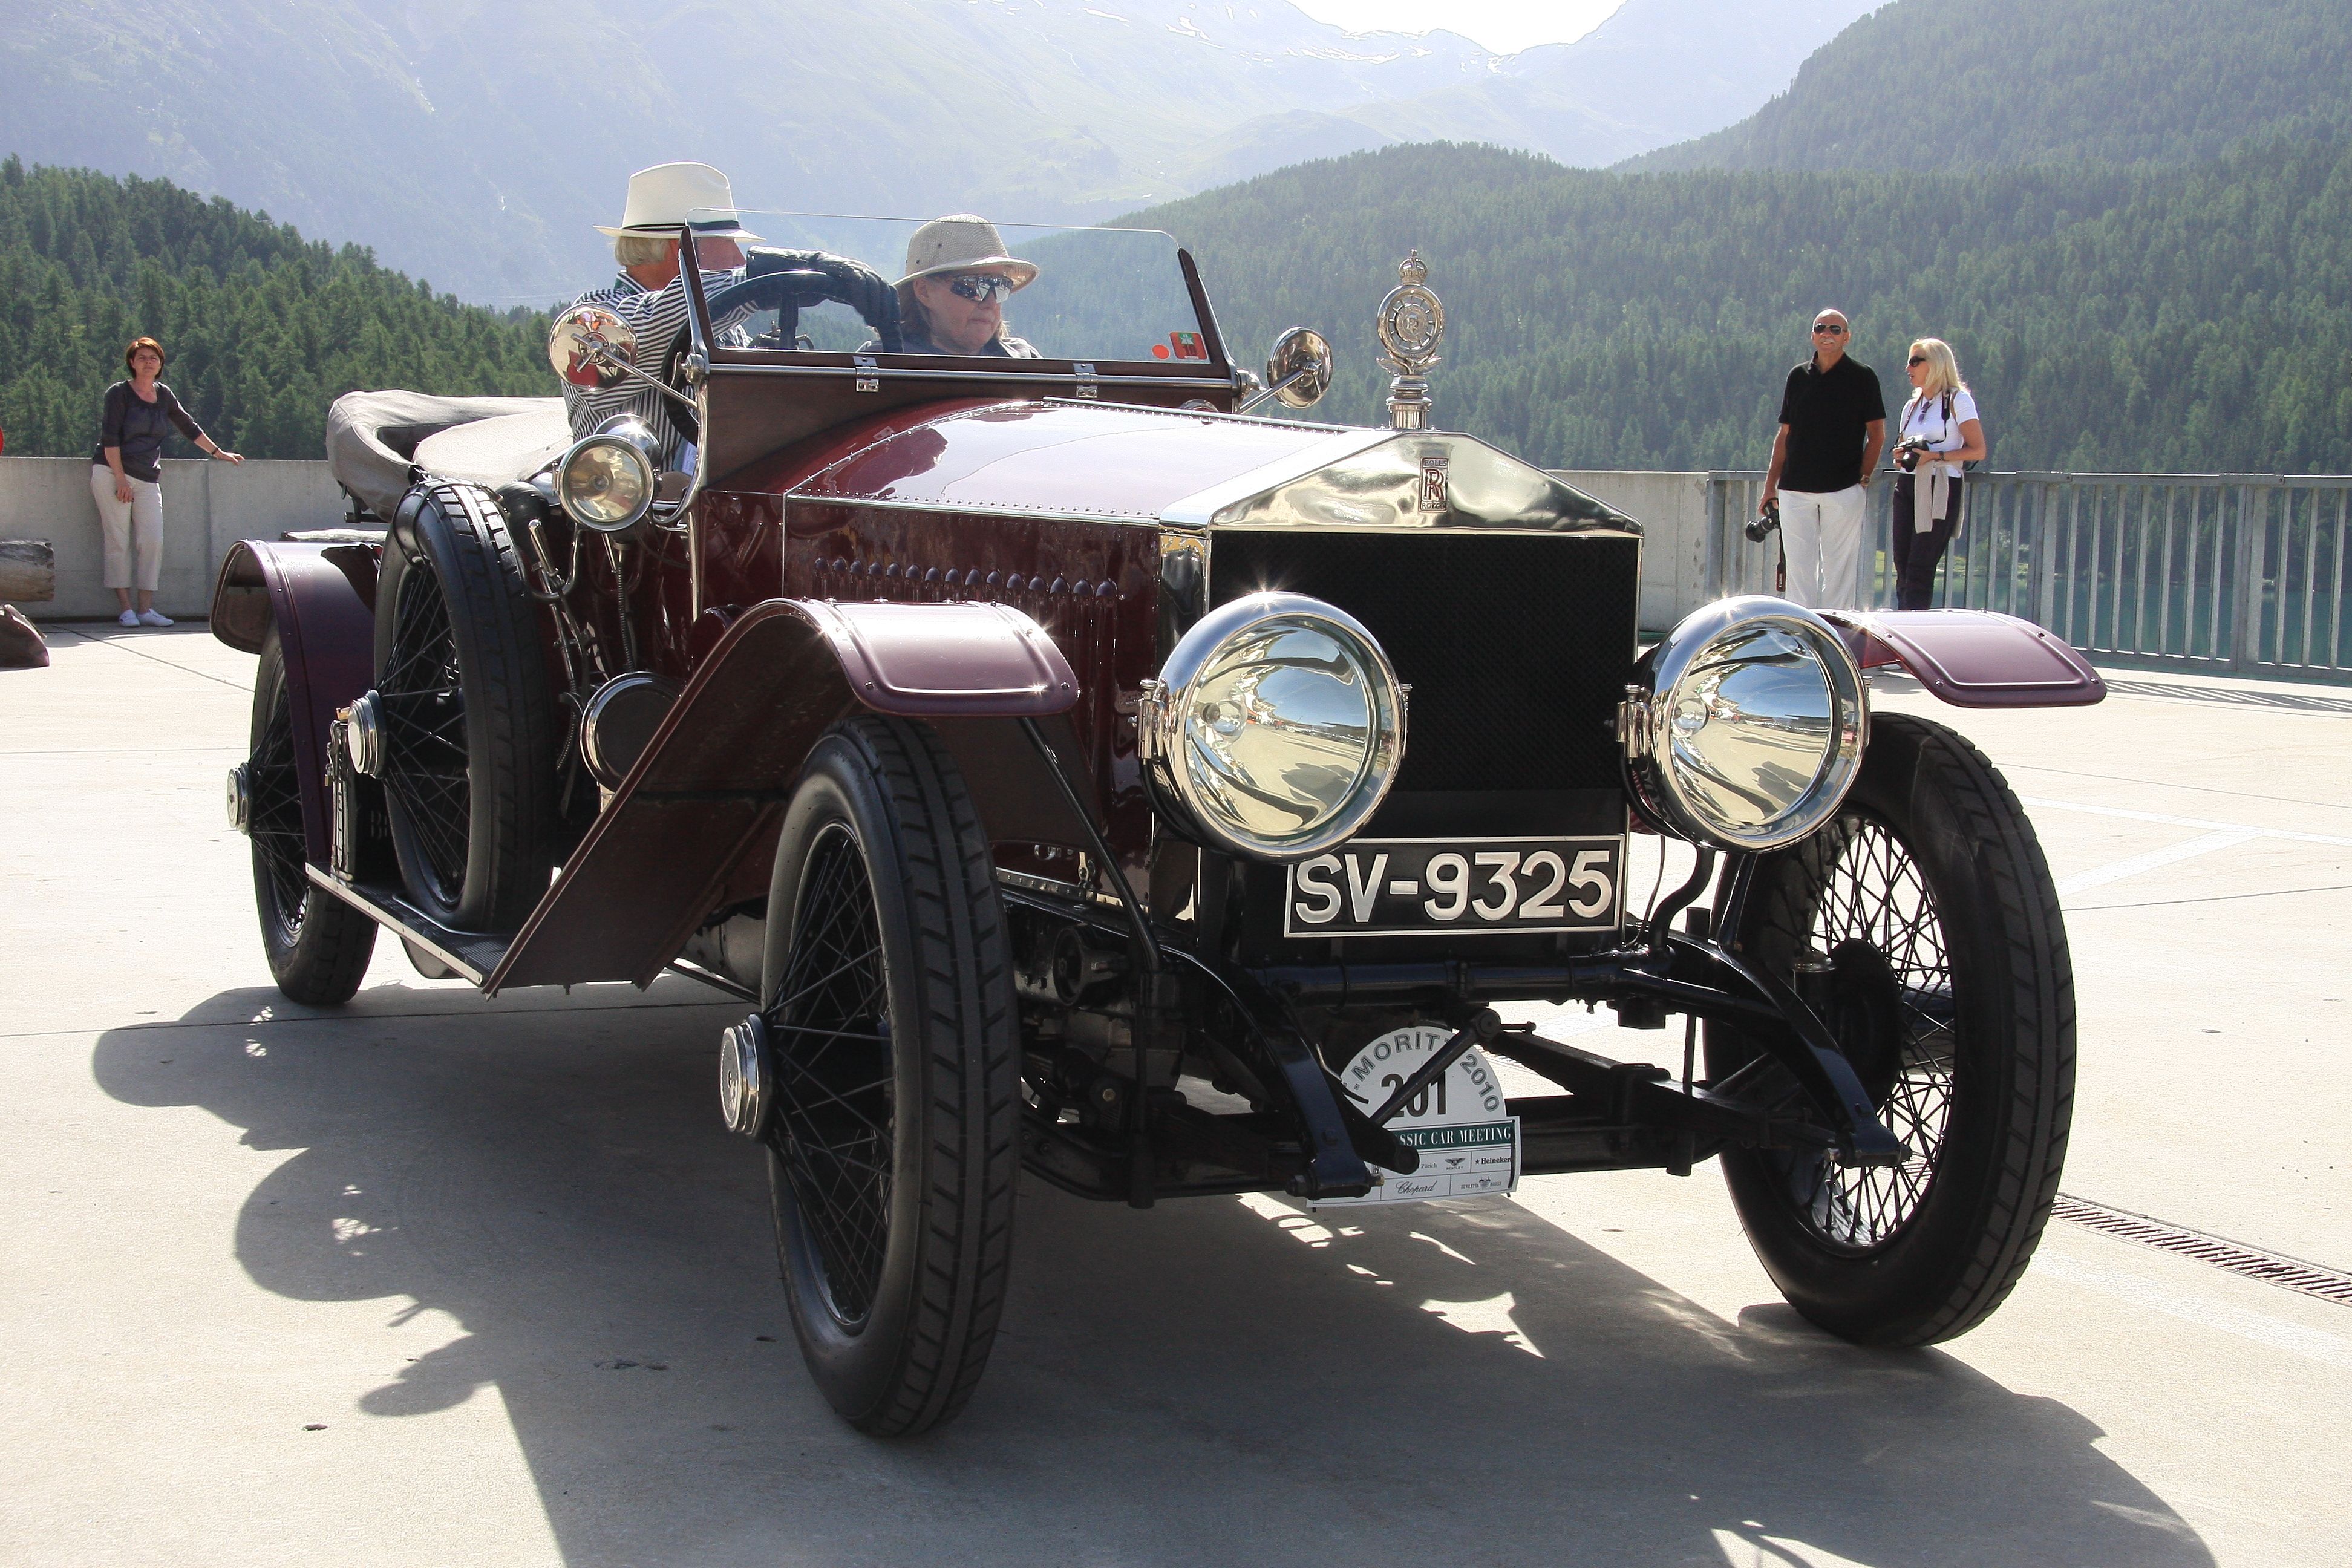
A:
x,y
1924,84
264,329
2110,319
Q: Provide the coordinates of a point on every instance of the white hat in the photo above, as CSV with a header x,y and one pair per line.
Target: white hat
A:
x,y
667,195
964,244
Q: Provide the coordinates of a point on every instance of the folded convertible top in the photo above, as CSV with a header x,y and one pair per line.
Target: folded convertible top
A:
x,y
371,436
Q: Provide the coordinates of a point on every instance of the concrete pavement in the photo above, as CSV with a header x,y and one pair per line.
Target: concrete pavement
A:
x,y
502,1258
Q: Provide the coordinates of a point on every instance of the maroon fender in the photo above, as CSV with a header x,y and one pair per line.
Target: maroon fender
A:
x,y
1973,659
322,599
699,813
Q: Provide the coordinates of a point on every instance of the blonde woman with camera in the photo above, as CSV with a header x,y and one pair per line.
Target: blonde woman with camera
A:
x,y
1936,435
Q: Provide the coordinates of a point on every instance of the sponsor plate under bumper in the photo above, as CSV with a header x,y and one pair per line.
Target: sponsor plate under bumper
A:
x,y
1423,886
1462,1161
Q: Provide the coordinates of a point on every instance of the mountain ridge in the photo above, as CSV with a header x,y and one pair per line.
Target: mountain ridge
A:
x,y
2023,81
474,143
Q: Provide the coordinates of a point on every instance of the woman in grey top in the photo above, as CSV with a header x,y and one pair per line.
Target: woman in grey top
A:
x,y
126,473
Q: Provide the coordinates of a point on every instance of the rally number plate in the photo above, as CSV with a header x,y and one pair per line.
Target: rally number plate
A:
x,y
1420,886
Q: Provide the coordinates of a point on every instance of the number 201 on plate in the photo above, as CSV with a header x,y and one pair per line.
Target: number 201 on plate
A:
x,y
1416,887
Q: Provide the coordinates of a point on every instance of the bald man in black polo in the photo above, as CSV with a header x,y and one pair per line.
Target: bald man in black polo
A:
x,y
1833,422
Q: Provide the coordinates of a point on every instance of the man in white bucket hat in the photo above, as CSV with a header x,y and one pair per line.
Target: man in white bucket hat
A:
x,y
650,292
951,298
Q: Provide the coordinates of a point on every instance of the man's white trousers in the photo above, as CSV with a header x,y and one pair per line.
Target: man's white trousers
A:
x,y
1821,532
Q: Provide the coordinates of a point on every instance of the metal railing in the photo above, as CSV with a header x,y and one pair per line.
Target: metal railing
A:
x,y
2234,573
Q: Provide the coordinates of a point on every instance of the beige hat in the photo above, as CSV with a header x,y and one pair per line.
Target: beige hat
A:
x,y
964,244
667,195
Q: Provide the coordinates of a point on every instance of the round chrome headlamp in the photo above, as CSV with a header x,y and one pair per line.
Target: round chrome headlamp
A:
x,y
606,480
1274,729
1744,728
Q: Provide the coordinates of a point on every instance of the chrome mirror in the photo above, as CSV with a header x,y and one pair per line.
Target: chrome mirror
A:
x,y
1298,368
590,346
1298,372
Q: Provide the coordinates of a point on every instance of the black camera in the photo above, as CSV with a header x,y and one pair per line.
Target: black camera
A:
x,y
1761,527
1907,452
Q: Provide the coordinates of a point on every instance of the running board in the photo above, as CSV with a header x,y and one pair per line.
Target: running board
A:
x,y
473,954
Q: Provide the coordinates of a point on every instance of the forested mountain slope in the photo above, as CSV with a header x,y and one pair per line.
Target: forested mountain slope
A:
x,y
2194,320
1927,84
474,142
264,329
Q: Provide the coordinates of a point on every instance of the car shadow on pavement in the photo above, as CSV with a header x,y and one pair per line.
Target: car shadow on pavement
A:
x,y
1209,1379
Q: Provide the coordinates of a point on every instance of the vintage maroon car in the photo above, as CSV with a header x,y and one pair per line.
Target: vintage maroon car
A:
x,y
1080,774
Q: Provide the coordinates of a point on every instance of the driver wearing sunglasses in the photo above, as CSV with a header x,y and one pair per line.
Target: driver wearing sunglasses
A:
x,y
958,278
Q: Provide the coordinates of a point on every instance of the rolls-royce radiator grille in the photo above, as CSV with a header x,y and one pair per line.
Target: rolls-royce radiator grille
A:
x,y
1517,646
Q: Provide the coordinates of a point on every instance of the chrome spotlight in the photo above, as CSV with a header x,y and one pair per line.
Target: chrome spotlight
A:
x,y
606,481
744,1077
1744,728
1274,730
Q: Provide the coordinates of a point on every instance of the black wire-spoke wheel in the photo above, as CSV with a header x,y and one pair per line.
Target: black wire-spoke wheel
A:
x,y
892,1146
1925,925
425,761
470,721
830,1025
318,946
1876,921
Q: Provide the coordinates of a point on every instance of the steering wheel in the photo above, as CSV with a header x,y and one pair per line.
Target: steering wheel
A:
x,y
788,281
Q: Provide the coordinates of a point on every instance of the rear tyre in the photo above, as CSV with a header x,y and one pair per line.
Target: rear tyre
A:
x,y
470,735
1954,998
317,945
886,991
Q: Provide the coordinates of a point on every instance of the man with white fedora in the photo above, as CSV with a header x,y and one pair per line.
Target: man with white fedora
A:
x,y
952,297
649,294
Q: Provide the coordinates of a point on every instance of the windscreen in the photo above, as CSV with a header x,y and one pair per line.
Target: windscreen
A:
x,y
971,289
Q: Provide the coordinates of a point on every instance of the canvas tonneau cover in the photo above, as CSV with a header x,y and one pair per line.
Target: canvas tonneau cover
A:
x,y
372,436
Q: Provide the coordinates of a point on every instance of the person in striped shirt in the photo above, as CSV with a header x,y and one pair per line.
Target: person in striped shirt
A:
x,y
649,293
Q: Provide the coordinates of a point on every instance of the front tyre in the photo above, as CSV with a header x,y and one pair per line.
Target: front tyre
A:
x,y
318,946
886,991
1952,992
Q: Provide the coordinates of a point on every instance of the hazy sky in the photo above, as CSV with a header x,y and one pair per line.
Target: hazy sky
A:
x,y
1505,26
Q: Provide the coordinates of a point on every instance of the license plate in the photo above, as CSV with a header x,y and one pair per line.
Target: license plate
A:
x,y
1421,886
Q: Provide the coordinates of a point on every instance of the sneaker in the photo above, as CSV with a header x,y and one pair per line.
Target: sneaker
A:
x,y
127,618
154,619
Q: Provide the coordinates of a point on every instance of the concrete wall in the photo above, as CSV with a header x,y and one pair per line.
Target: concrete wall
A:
x,y
208,506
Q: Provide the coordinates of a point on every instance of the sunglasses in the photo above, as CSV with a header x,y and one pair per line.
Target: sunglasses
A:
x,y
980,289
1916,359
1831,328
